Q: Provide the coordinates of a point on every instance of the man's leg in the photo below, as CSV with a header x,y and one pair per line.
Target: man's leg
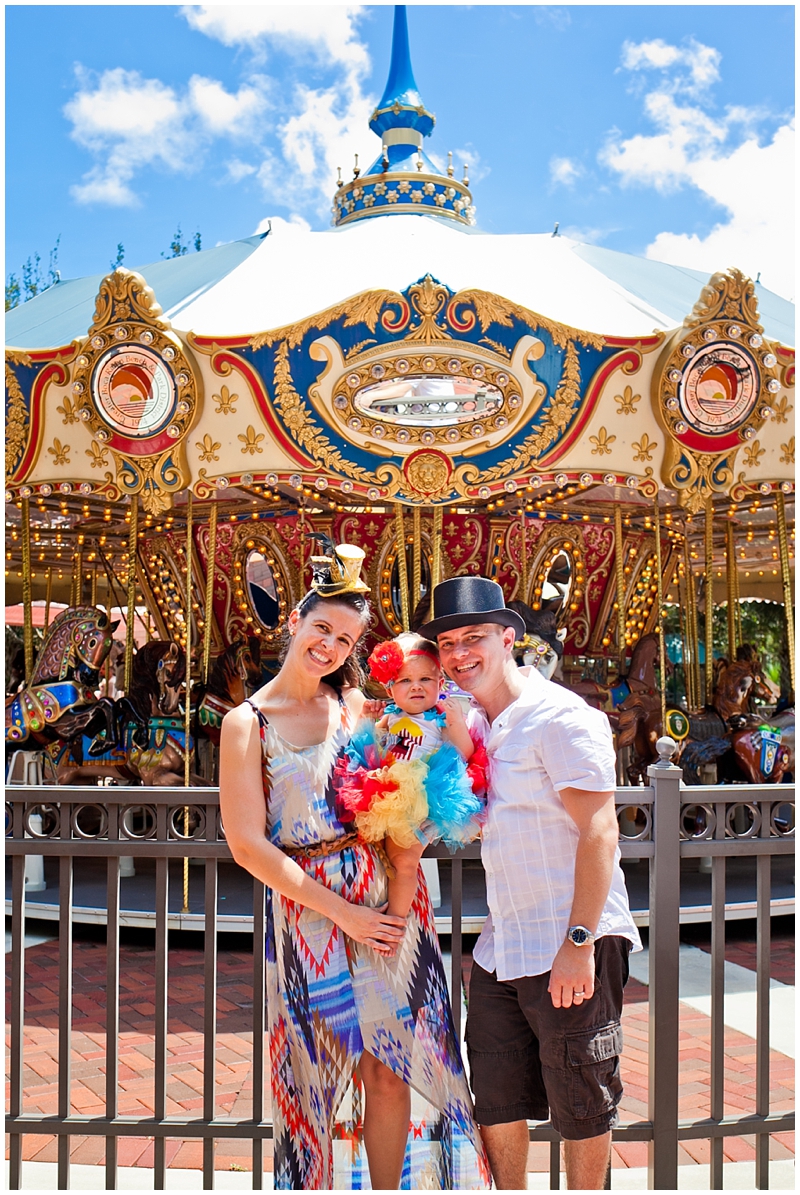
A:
x,y
587,1163
507,1147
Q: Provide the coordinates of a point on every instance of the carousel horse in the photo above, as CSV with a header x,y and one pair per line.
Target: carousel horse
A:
x,y
150,745
58,701
236,673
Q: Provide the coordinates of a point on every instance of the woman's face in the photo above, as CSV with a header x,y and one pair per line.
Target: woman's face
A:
x,y
325,637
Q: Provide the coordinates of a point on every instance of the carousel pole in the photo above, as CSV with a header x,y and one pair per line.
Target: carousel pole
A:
x,y
94,586
417,581
523,553
662,650
786,578
709,612
133,536
48,593
436,564
187,714
684,623
730,560
619,567
77,577
27,604
210,576
302,537
400,543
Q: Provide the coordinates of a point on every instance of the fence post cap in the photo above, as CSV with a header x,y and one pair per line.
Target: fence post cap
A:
x,y
666,748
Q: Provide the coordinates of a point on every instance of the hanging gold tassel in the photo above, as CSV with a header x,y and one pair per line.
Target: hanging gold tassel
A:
x,y
709,613
400,547
662,649
523,553
48,593
786,578
436,566
27,602
417,585
210,575
730,561
619,566
133,540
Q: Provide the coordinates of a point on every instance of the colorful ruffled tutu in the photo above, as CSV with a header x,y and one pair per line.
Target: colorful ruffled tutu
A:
x,y
411,789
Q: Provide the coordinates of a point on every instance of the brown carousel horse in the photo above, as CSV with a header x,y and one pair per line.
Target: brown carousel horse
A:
x,y
58,701
236,673
151,744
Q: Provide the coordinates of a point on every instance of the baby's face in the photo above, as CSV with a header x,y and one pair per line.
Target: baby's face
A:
x,y
417,686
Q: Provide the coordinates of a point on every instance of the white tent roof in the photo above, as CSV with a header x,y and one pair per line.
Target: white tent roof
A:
x,y
294,273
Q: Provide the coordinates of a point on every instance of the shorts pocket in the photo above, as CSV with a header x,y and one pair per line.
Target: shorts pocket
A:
x,y
593,1059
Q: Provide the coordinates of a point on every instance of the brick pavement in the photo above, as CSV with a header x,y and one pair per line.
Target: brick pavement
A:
x,y
234,1051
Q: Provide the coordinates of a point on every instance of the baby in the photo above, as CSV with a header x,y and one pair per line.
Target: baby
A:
x,y
414,730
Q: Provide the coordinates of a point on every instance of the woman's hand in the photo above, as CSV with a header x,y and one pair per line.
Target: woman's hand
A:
x,y
373,927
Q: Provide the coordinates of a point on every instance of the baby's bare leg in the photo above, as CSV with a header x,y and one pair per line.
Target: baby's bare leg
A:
x,y
403,888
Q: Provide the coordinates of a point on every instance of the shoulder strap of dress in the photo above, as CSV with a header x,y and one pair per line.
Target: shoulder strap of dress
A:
x,y
262,718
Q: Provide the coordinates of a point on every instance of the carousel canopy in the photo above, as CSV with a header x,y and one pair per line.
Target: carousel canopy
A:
x,y
266,281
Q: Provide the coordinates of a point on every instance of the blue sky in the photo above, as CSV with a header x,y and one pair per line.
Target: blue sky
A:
x,y
658,130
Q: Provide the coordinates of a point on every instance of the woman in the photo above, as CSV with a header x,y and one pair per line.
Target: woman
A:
x,y
347,985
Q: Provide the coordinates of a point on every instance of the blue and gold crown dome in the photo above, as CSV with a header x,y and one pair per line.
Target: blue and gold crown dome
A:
x,y
403,179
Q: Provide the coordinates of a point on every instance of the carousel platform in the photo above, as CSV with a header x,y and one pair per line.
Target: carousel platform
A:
x,y
235,894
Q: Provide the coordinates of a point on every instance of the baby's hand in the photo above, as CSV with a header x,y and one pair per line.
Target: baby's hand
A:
x,y
373,709
454,715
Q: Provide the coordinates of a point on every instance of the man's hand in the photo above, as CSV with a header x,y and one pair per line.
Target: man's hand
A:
x,y
572,976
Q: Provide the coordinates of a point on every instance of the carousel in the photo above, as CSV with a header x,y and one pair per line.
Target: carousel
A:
x,y
606,436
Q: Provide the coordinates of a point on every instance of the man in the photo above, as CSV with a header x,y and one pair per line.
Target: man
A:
x,y
543,1028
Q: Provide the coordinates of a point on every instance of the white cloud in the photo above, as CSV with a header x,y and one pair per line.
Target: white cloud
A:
x,y
468,156
225,113
237,170
328,30
724,156
694,66
565,171
129,122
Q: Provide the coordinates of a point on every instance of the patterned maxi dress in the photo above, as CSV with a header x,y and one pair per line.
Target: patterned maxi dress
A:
x,y
330,998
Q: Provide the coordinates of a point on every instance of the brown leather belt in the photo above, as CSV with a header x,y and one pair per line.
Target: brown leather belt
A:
x,y
317,850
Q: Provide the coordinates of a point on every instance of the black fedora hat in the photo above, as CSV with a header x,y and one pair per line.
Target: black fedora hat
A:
x,y
465,601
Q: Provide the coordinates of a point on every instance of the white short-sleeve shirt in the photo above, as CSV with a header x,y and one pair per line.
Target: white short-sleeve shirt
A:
x,y
547,740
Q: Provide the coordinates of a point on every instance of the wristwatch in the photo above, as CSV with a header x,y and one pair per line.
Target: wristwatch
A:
x,y
579,935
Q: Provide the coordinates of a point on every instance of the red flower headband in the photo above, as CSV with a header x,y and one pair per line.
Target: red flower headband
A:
x,y
387,659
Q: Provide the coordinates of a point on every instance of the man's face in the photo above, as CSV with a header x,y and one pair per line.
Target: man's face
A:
x,y
475,657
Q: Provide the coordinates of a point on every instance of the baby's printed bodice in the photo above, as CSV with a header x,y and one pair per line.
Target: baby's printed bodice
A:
x,y
413,736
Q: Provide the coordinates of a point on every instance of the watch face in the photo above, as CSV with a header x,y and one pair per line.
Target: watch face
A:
x,y
719,388
134,391
579,936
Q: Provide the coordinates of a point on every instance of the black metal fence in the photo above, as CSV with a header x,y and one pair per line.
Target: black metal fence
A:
x,y
662,823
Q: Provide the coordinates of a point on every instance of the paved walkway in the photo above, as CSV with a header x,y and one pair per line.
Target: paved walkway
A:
x,y
234,1084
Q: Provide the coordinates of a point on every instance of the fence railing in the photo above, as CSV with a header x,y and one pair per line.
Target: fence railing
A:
x,y
662,823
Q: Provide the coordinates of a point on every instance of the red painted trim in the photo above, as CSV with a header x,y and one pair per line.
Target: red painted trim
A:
x,y
265,407
645,342
402,319
147,447
631,358
53,372
65,353
712,444
210,342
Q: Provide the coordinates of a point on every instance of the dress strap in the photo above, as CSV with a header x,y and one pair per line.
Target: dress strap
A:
x,y
262,718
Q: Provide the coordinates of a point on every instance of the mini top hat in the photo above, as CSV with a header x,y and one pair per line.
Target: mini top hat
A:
x,y
339,571
466,601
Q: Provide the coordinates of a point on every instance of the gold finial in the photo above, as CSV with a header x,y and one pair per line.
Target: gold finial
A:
x,y
450,170
356,170
465,179
419,159
339,178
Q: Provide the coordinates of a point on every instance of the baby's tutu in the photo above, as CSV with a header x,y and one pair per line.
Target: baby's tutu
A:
x,y
409,801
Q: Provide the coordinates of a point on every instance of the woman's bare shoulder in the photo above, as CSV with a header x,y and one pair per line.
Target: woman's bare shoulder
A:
x,y
354,699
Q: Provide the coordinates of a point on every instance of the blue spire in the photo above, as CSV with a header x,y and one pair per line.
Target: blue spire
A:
x,y
401,106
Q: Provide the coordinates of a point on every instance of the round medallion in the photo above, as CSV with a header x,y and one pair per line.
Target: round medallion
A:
x,y
134,391
718,388
427,472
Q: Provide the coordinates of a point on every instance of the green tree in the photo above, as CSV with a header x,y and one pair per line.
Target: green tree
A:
x,y
34,278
